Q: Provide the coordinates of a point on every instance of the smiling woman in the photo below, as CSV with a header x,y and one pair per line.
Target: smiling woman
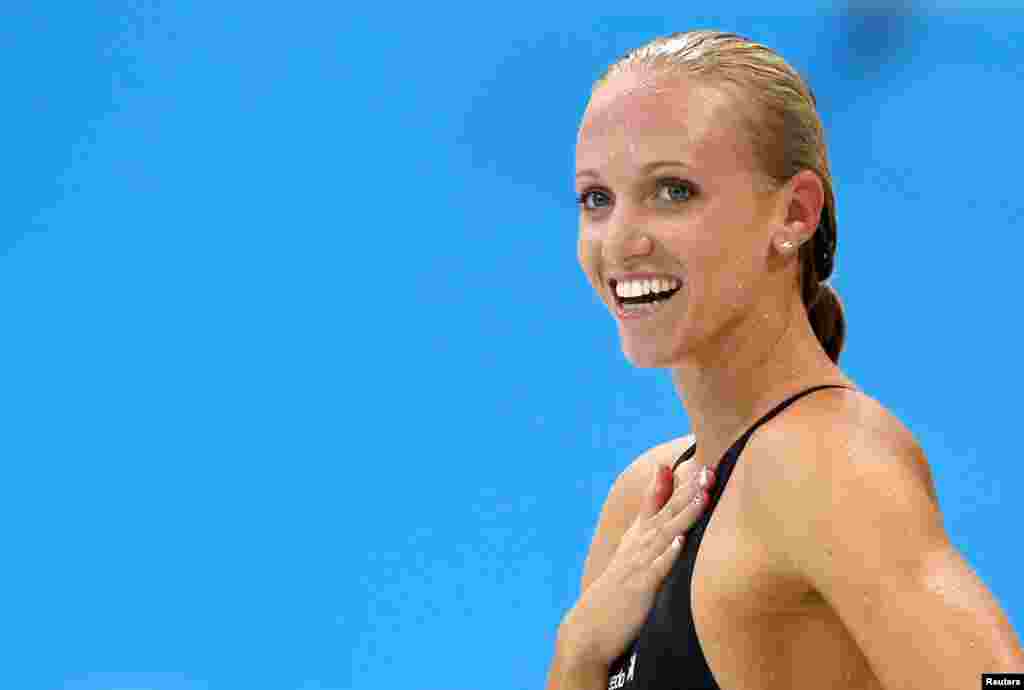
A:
x,y
707,225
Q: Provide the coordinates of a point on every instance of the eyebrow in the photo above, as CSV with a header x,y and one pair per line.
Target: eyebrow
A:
x,y
645,168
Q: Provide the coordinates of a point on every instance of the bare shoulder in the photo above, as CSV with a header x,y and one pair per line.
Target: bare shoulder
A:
x,y
840,485
849,414
624,501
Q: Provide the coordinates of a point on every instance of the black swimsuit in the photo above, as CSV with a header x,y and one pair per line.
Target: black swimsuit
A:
x,y
666,655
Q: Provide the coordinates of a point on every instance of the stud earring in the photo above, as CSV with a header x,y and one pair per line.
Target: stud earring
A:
x,y
787,245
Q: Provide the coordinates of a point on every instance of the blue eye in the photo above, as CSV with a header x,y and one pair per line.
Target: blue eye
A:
x,y
679,184
670,183
582,198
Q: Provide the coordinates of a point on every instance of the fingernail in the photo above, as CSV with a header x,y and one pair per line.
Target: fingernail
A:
x,y
705,478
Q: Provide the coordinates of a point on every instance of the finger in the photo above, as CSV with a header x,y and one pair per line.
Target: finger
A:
x,y
659,491
662,565
709,478
667,486
691,470
700,481
664,527
690,513
685,489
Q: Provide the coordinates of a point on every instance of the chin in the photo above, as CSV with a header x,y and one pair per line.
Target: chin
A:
x,y
643,358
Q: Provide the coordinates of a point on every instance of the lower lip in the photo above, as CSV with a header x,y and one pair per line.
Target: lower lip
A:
x,y
645,314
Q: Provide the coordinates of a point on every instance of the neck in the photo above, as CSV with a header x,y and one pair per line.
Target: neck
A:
x,y
745,374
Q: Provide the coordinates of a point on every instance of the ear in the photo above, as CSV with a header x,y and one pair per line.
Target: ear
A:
x,y
806,196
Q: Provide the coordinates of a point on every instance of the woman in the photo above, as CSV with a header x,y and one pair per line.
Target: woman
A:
x,y
707,227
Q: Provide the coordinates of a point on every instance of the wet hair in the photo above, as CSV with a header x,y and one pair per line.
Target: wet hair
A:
x,y
784,130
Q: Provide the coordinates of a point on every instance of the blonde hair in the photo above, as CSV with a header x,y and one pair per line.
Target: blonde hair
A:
x,y
785,133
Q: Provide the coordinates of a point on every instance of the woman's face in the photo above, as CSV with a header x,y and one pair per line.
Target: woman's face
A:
x,y
704,221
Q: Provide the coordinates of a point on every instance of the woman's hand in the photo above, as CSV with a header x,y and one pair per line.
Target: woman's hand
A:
x,y
610,612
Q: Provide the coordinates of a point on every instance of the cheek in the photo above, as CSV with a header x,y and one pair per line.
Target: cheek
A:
x,y
588,251
590,233
734,284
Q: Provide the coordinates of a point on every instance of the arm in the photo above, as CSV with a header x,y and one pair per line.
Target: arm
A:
x,y
853,511
566,674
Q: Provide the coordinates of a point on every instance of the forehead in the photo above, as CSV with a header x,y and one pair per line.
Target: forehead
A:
x,y
642,117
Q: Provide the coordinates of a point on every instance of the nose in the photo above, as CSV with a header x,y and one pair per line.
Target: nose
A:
x,y
623,242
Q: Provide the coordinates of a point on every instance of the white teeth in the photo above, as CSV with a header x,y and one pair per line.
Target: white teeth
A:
x,y
636,288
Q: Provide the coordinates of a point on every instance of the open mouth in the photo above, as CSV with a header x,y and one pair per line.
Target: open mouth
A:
x,y
651,297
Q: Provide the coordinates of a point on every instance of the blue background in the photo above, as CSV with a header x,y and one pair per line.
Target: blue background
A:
x,y
302,386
